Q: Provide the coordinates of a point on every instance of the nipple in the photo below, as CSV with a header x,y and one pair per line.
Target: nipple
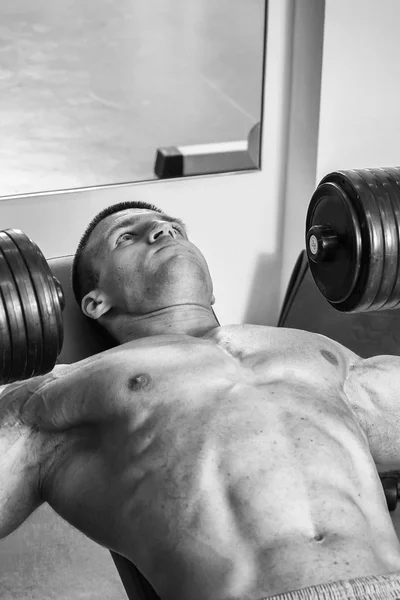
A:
x,y
138,382
330,357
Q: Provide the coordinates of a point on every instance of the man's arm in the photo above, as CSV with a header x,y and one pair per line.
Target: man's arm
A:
x,y
23,451
373,390
19,463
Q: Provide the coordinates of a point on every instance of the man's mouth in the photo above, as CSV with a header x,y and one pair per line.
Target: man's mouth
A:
x,y
163,246
168,244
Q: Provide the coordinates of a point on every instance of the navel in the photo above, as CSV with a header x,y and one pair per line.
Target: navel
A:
x,y
139,382
331,358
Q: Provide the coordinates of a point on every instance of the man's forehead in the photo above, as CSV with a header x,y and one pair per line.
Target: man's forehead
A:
x,y
133,214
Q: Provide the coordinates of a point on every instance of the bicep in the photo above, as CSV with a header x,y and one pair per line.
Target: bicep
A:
x,y
373,390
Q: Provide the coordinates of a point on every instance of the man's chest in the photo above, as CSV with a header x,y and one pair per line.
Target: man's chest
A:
x,y
174,386
232,354
222,387
268,355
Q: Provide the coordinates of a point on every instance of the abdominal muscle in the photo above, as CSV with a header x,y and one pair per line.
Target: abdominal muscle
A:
x,y
249,507
241,488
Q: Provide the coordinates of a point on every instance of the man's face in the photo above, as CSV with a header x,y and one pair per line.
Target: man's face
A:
x,y
146,262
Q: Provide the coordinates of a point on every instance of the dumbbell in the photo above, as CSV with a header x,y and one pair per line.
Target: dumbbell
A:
x,y
353,239
31,305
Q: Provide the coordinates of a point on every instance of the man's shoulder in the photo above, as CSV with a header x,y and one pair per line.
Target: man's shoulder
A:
x,y
263,332
256,338
242,329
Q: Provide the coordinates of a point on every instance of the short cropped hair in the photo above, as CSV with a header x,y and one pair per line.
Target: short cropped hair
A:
x,y
85,275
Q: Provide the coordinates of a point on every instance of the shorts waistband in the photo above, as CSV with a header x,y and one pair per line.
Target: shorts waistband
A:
x,y
374,587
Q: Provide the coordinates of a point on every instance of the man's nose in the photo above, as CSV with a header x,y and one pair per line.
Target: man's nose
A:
x,y
161,230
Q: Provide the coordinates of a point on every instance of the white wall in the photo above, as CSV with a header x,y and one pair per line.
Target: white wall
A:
x,y
360,95
235,219
304,98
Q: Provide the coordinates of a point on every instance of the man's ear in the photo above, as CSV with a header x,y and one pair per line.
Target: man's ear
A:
x,y
95,304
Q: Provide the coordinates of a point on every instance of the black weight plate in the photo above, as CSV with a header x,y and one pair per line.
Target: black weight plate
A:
x,y
373,239
350,189
373,225
393,192
337,278
390,248
394,173
33,324
5,340
393,176
38,269
16,321
45,269
56,302
32,257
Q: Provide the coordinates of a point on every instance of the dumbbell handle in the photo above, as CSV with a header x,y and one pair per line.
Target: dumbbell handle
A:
x,y
322,243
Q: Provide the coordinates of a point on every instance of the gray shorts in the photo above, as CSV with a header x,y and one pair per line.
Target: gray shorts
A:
x,y
376,587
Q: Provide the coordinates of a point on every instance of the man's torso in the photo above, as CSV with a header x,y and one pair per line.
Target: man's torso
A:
x,y
236,469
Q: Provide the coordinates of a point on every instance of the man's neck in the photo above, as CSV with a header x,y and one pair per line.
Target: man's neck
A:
x,y
183,319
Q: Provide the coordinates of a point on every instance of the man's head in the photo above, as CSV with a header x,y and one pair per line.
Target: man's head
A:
x,y
134,260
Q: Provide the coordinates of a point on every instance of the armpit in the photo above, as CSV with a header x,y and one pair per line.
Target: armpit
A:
x,y
372,388
360,401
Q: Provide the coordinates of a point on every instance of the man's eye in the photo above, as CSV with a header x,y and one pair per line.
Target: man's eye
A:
x,y
178,229
124,237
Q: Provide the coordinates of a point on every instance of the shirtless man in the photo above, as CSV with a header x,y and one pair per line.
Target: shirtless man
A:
x,y
227,463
